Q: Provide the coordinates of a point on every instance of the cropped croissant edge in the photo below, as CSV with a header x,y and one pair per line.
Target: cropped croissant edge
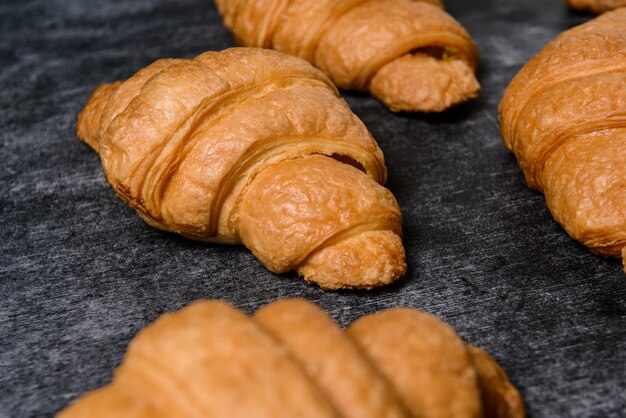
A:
x,y
564,118
290,359
595,6
411,55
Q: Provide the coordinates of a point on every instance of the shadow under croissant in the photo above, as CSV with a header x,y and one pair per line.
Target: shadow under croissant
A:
x,y
455,114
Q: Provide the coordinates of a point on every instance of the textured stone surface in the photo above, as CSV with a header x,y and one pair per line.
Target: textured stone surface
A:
x,y
80,273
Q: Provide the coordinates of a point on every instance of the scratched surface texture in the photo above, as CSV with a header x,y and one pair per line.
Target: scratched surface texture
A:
x,y
81,274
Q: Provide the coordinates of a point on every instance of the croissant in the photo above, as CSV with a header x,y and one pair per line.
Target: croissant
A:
x,y
291,360
411,55
595,6
564,118
253,146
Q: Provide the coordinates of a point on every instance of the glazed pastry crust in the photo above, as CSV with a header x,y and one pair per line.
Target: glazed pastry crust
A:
x,y
425,361
253,146
595,6
292,360
353,242
346,377
564,118
419,78
367,45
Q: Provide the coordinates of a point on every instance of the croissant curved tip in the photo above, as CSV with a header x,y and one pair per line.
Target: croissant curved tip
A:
x,y
88,121
422,83
364,261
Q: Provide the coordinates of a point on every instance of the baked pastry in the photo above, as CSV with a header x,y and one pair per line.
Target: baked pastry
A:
x,y
431,368
595,6
498,395
292,360
425,361
411,55
564,118
208,360
254,146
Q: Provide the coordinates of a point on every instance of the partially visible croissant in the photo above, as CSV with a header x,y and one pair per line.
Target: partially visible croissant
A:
x,y
253,146
291,360
564,118
410,54
595,6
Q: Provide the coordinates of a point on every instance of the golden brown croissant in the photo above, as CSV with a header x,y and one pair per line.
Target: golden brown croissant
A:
x,y
291,360
410,54
253,146
595,6
564,118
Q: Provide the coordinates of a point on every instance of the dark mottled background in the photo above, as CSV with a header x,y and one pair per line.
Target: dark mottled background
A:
x,y
80,273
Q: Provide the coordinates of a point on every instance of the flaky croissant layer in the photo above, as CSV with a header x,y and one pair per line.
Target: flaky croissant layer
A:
x,y
254,146
291,360
564,118
410,54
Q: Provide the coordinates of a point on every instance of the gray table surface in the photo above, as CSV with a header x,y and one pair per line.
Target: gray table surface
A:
x,y
81,274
